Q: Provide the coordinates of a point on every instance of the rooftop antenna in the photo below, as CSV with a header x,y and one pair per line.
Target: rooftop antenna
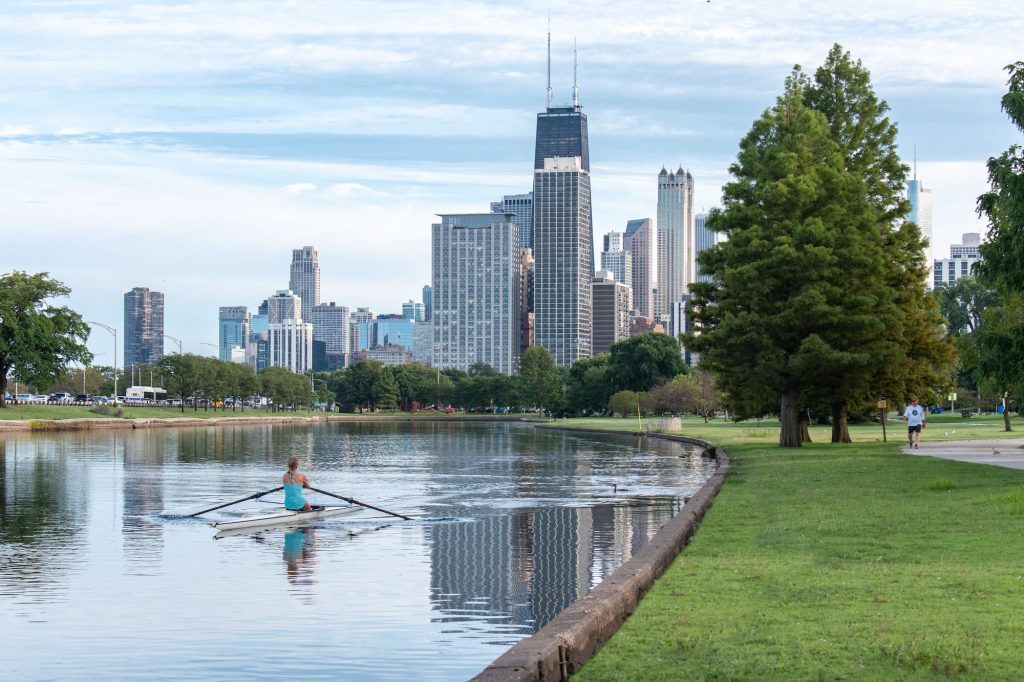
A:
x,y
549,59
575,86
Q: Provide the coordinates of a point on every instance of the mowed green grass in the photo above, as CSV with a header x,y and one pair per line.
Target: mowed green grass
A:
x,y
837,562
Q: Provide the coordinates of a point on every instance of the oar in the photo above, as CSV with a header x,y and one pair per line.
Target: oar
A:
x,y
361,504
241,499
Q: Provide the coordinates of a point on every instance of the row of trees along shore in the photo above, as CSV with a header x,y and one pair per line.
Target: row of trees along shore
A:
x,y
816,305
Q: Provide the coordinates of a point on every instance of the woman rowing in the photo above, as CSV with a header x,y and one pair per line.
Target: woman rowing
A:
x,y
294,481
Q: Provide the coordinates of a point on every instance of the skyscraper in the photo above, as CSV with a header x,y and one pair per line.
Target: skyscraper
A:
x,y
290,345
616,260
413,310
641,242
330,336
305,278
527,279
427,305
564,254
476,297
563,235
675,239
143,326
962,257
234,329
521,205
611,311
283,305
705,238
921,211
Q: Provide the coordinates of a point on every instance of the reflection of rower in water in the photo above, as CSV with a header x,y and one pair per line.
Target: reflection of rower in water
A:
x,y
298,550
294,481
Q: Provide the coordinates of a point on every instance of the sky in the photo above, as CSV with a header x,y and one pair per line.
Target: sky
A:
x,y
188,147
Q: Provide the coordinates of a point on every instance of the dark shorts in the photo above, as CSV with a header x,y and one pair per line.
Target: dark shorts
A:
x,y
912,429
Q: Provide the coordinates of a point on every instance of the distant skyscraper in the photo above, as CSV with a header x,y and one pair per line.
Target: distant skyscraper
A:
x,y
427,305
305,278
616,260
476,298
143,326
921,210
960,263
675,239
361,330
640,241
527,279
564,253
290,345
394,330
330,336
284,305
256,350
611,311
521,205
705,238
234,326
413,310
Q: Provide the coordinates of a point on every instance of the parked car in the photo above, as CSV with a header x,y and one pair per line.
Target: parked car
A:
x,y
60,399
82,398
40,399
24,397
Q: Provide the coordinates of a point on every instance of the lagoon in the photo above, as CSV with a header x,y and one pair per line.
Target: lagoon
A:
x,y
99,579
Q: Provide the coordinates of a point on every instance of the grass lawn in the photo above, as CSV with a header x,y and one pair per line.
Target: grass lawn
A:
x,y
838,562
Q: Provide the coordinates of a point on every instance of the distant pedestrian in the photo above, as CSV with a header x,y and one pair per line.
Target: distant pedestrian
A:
x,y
915,416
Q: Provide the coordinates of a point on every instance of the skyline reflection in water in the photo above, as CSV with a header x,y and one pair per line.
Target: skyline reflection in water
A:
x,y
513,524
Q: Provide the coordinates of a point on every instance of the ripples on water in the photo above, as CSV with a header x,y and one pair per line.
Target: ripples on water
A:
x,y
513,525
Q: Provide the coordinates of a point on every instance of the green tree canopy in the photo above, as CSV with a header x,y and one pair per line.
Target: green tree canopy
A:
x,y
589,387
1003,205
643,361
37,339
538,382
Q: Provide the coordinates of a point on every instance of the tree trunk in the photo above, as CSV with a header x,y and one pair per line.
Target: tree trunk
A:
x,y
803,420
789,431
1006,416
840,424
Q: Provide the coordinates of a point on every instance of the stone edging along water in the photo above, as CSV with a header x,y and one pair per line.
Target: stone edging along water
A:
x,y
88,424
558,649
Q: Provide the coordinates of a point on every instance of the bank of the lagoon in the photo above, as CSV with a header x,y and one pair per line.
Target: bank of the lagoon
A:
x,y
512,524
81,418
838,562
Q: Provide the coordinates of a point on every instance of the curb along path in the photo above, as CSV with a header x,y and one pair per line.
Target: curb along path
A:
x,y
558,649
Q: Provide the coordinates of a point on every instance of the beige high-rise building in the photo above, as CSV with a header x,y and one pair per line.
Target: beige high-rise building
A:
x,y
640,241
676,236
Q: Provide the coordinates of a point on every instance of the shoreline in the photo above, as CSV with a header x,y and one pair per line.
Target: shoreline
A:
x,y
104,423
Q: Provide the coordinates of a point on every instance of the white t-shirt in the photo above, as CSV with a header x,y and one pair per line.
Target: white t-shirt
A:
x,y
914,415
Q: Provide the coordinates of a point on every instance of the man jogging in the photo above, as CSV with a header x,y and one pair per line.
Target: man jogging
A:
x,y
915,416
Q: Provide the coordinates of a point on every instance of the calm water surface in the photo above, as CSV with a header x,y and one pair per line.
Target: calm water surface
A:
x,y
98,579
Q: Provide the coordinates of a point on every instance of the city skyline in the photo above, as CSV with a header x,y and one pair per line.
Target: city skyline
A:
x,y
131,144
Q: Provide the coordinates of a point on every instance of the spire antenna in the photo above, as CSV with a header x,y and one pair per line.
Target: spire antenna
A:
x,y
549,59
575,85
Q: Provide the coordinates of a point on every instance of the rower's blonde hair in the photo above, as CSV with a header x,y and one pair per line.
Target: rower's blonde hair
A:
x,y
293,463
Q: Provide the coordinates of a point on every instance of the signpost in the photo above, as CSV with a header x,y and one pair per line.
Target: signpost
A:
x,y
883,407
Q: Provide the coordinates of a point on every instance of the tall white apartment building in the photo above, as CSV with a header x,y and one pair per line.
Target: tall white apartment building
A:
x,y
290,345
284,305
641,242
962,257
476,291
564,255
616,260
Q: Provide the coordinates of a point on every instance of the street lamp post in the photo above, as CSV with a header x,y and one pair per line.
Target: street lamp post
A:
x,y
177,341
211,345
112,330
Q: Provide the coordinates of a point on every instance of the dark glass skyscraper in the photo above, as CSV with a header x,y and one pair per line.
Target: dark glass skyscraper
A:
x,y
562,132
143,326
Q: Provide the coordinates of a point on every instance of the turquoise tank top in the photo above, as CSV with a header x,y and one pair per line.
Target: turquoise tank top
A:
x,y
293,497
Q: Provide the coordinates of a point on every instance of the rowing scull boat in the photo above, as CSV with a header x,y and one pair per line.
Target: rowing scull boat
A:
x,y
287,517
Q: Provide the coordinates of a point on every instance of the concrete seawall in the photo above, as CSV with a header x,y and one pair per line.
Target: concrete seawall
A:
x,y
100,423
574,635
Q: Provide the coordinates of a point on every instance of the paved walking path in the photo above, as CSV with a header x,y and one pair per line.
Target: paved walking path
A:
x,y
1003,453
